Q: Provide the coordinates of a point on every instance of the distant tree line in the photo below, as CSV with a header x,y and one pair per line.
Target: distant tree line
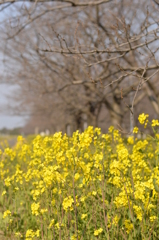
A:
x,y
14,131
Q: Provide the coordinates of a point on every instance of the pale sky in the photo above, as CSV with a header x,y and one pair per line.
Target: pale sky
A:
x,y
6,119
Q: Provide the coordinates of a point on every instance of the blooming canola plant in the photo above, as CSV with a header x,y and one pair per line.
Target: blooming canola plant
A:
x,y
87,186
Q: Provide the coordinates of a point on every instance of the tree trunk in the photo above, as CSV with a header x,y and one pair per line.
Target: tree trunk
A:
x,y
92,120
115,112
151,98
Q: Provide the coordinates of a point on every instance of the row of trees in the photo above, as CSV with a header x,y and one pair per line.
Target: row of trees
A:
x,y
82,61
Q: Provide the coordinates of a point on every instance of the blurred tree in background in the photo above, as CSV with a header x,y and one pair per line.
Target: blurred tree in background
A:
x,y
79,63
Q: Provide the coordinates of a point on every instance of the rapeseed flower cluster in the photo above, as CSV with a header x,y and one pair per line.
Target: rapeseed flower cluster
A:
x,y
98,231
142,118
88,186
30,234
6,213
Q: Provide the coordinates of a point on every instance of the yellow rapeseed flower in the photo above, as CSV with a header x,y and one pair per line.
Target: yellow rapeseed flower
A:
x,y
6,213
153,218
77,176
154,123
43,211
67,203
128,225
4,192
94,193
18,234
115,220
35,208
130,140
111,128
51,223
142,117
83,216
135,130
98,231
138,211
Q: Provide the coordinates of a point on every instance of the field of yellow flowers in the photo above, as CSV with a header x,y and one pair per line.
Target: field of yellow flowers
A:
x,y
88,186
